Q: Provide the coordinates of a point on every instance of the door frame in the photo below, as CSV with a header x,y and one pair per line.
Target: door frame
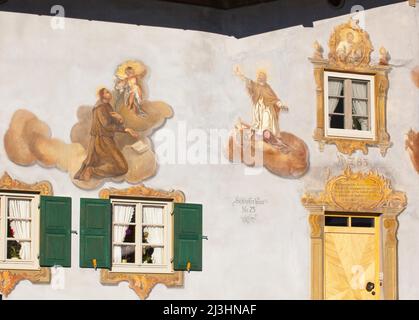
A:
x,y
371,193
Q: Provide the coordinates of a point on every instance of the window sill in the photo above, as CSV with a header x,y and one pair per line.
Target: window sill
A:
x,y
350,134
24,266
142,270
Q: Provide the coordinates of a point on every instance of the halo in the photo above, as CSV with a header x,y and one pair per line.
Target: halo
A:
x,y
263,71
98,89
139,69
344,34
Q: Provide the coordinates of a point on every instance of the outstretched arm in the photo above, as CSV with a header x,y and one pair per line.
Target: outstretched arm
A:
x,y
238,72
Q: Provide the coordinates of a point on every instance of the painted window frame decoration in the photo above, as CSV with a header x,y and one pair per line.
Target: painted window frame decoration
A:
x,y
184,239
10,277
349,57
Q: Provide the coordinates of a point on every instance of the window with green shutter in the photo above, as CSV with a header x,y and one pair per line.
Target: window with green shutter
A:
x,y
188,237
95,233
55,233
19,230
136,235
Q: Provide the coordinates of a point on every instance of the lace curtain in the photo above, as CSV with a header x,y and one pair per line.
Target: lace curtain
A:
x,y
21,209
335,89
360,107
154,216
122,214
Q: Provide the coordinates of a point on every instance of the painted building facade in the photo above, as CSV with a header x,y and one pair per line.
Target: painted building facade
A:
x,y
190,98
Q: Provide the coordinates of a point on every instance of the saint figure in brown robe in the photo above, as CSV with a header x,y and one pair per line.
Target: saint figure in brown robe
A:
x,y
104,159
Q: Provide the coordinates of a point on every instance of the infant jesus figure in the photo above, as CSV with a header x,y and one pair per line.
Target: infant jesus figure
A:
x,y
130,87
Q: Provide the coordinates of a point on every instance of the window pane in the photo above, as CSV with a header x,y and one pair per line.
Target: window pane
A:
x,y
152,215
124,233
124,254
18,250
336,87
362,222
336,113
360,123
336,105
360,89
152,255
153,235
19,208
19,228
123,213
336,221
359,107
360,119
337,122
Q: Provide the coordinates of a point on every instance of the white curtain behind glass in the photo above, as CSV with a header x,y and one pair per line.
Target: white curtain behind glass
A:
x,y
22,229
360,107
121,214
158,256
154,215
335,89
155,235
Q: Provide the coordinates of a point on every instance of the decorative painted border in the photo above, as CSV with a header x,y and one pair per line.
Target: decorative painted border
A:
x,y
142,284
10,278
380,73
390,206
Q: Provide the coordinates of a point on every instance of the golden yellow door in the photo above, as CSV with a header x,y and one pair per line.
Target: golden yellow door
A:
x,y
351,261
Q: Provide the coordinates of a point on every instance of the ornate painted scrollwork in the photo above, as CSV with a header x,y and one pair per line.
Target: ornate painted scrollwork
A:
x,y
10,278
350,50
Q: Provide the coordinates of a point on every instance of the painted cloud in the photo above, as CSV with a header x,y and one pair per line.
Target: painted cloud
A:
x,y
122,120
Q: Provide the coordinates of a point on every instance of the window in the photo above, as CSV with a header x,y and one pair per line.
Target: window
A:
x,y
349,221
141,236
19,231
350,105
125,234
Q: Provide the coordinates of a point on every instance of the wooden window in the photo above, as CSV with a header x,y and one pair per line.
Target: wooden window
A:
x,y
125,234
19,231
349,111
142,236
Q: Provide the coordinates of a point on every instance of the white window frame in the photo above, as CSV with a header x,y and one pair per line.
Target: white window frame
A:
x,y
139,267
32,264
347,133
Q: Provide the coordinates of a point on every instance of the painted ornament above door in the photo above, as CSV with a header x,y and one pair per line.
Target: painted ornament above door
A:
x,y
261,142
109,142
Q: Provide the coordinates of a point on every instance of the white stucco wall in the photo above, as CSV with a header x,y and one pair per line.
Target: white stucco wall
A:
x,y
53,72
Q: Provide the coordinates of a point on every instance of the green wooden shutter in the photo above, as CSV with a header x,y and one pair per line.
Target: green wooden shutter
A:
x,y
95,233
188,236
55,246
